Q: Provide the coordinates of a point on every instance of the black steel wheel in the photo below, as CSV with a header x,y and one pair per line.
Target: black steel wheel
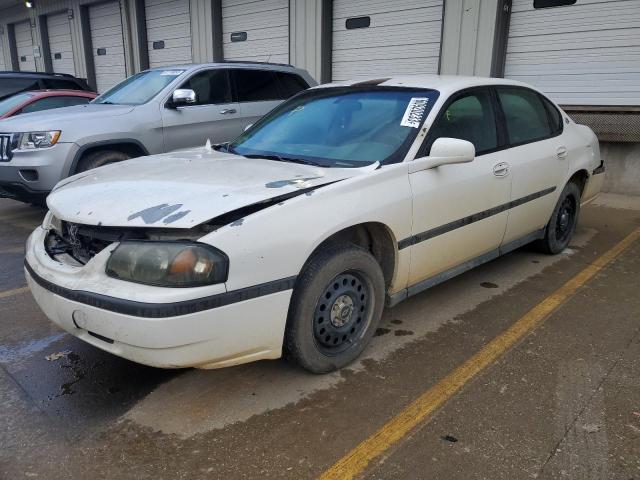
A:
x,y
563,220
335,308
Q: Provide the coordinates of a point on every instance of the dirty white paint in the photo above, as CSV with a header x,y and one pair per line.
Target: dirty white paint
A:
x,y
199,400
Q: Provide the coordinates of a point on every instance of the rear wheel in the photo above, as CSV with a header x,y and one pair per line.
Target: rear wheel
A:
x,y
100,158
563,220
335,308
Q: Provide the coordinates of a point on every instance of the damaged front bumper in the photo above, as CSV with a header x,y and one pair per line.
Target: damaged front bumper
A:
x,y
206,327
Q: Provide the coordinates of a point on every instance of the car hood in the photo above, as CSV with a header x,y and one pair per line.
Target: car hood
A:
x,y
182,189
58,118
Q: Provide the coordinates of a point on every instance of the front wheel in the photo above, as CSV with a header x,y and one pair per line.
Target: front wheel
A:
x,y
335,308
563,221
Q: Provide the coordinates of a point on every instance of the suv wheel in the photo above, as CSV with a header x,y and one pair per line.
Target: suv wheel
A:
x,y
100,158
335,308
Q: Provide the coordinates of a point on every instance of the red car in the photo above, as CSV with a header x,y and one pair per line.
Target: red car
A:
x,y
37,100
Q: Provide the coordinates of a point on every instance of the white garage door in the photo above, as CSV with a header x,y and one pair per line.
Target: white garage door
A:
x,y
380,38
24,46
168,32
60,43
108,44
3,65
582,54
256,30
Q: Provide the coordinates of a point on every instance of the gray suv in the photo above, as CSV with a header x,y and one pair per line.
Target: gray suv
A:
x,y
154,111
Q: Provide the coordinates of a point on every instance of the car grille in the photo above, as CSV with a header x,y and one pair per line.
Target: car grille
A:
x,y
6,147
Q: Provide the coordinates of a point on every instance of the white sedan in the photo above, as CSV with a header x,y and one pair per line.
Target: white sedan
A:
x,y
289,240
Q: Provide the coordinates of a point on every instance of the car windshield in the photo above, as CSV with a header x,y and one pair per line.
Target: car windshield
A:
x,y
139,88
12,102
339,127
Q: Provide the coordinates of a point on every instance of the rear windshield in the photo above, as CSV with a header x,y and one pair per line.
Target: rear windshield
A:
x,y
10,103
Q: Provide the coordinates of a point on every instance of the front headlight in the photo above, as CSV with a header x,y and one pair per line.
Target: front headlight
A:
x,y
168,264
33,140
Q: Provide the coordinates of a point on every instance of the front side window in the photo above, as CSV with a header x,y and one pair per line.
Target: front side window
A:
x,y
255,85
139,88
54,102
470,117
525,114
340,127
211,87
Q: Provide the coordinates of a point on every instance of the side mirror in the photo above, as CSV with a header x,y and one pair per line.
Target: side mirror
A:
x,y
247,127
445,151
183,96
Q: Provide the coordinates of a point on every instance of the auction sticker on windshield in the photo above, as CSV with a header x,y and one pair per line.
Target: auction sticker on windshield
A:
x,y
415,110
171,73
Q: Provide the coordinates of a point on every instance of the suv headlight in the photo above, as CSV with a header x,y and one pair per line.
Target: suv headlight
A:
x,y
168,264
33,140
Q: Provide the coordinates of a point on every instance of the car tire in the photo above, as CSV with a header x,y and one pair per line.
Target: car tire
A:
x,y
100,158
335,308
563,221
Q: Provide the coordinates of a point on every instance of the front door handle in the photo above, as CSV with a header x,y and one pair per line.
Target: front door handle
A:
x,y
501,169
561,152
227,111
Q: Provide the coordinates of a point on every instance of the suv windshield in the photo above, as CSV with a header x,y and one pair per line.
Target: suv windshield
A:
x,y
139,88
12,102
340,127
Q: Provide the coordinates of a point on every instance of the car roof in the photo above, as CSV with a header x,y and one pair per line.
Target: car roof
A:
x,y
445,84
9,73
61,92
226,63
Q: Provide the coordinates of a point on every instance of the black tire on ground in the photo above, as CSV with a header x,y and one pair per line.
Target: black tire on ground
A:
x,y
335,308
563,221
100,158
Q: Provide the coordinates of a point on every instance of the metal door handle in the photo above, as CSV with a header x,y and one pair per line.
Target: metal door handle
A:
x,y
562,152
501,169
226,111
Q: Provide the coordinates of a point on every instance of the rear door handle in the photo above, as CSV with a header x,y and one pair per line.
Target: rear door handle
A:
x,y
562,152
227,111
501,169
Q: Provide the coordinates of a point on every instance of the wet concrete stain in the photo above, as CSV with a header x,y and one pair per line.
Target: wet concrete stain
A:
x,y
488,285
395,321
175,217
449,438
12,354
78,371
403,333
237,223
381,331
294,181
155,214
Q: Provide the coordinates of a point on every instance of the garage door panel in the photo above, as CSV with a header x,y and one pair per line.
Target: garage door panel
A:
x,y
587,53
107,37
24,46
60,44
403,37
169,30
266,24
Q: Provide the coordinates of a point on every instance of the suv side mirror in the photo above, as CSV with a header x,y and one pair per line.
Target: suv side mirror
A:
x,y
183,96
445,151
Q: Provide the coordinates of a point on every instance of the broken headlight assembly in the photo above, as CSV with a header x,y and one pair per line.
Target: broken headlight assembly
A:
x,y
168,264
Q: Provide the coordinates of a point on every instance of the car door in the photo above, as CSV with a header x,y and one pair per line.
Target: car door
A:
x,y
257,91
458,210
537,156
214,116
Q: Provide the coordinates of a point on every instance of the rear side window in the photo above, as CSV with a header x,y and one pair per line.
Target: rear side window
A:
x,y
470,117
555,117
59,84
54,102
9,86
290,84
211,87
255,85
526,116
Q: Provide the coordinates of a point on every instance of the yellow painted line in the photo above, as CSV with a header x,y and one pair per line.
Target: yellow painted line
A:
x,y
356,461
15,291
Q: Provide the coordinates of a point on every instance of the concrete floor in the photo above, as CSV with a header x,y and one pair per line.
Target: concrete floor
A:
x,y
564,403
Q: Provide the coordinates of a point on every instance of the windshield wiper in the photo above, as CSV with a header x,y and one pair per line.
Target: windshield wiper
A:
x,y
106,102
278,158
